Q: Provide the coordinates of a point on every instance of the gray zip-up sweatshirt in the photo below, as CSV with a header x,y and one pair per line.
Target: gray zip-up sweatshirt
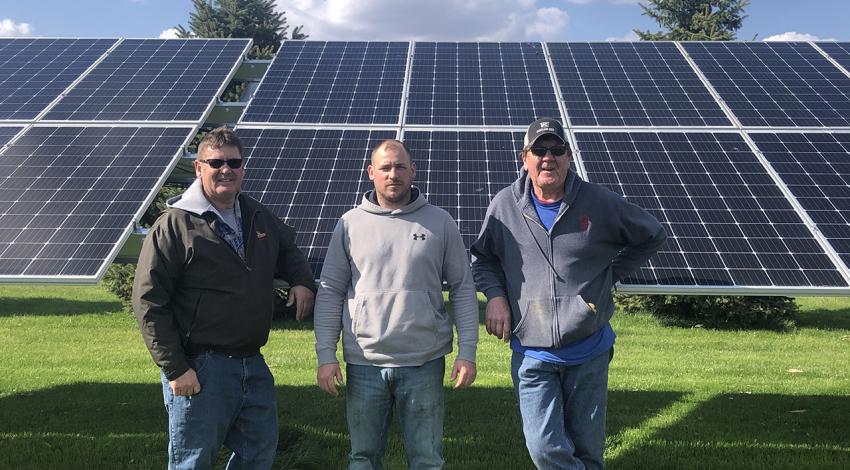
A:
x,y
381,285
558,283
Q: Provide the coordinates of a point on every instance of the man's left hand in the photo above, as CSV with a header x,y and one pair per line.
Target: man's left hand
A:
x,y
463,373
303,298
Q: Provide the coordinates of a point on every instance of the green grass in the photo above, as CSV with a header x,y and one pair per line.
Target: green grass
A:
x,y
78,390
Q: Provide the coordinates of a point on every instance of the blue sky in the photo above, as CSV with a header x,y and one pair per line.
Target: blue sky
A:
x,y
448,20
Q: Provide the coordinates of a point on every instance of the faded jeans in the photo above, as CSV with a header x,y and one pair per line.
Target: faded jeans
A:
x,y
417,396
236,408
563,411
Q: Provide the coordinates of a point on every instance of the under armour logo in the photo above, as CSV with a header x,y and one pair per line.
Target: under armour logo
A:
x,y
418,236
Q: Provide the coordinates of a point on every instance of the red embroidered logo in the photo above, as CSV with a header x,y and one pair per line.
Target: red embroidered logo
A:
x,y
584,223
261,235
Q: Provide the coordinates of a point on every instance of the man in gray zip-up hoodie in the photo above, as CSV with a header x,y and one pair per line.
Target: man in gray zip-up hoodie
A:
x,y
549,252
381,286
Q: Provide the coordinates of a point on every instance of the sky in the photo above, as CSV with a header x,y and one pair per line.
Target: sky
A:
x,y
421,20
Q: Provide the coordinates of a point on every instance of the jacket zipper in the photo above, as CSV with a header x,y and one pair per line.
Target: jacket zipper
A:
x,y
556,325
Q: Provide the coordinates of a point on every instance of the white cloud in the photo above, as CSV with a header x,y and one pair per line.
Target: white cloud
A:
x,y
628,37
615,2
795,36
170,33
443,20
10,29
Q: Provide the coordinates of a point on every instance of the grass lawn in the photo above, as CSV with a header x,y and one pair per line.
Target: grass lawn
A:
x,y
78,390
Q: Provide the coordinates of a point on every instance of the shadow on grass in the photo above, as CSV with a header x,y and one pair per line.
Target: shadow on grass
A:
x,y
824,319
90,425
751,431
109,426
42,306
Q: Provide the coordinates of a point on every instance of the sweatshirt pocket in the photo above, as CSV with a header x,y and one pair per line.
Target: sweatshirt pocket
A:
x,y
548,323
394,322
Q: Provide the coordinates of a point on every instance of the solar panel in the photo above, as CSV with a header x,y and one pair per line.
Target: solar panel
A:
x,y
632,84
840,51
332,82
309,178
461,171
68,195
479,84
728,223
816,168
34,72
6,134
775,84
153,80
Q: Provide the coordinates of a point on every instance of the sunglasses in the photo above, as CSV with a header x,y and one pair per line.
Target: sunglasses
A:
x,y
557,150
217,163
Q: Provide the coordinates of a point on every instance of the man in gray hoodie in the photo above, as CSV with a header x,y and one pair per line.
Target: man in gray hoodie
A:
x,y
381,286
550,250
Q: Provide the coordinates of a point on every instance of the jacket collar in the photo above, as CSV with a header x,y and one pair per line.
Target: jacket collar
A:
x,y
194,201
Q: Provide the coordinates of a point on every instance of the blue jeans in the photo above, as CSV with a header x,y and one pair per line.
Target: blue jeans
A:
x,y
236,408
416,393
563,411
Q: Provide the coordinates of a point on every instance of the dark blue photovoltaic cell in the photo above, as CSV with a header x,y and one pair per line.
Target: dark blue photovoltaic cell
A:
x,y
309,178
816,168
728,222
6,134
34,72
479,84
452,178
153,80
332,82
632,84
839,51
69,194
788,84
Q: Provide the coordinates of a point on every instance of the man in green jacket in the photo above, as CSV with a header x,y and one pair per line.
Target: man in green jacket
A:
x,y
203,301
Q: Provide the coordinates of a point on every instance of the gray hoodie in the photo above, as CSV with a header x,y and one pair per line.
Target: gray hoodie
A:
x,y
381,286
558,283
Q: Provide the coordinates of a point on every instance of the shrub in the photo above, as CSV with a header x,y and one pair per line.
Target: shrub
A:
x,y
119,280
716,311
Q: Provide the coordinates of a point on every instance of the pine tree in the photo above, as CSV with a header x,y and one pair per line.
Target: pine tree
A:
x,y
694,20
256,19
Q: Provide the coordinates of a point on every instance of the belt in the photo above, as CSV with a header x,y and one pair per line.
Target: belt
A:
x,y
193,349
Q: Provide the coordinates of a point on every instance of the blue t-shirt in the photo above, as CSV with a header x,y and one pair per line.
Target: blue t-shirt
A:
x,y
579,351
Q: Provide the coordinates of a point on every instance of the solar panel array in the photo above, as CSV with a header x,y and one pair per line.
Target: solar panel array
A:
x,y
737,148
727,221
462,108
71,190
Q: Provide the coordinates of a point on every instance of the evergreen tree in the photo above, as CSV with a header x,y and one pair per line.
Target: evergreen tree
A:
x,y
256,19
694,20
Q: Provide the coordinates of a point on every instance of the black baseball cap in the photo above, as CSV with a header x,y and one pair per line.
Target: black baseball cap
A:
x,y
541,127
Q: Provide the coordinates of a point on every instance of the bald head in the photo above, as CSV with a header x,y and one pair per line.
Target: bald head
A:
x,y
391,147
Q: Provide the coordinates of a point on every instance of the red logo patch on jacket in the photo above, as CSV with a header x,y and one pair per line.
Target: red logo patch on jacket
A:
x,y
261,235
584,223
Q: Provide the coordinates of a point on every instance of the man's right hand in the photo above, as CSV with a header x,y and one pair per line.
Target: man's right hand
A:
x,y
328,373
186,385
498,318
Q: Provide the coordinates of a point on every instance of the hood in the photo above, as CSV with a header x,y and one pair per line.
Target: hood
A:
x,y
522,185
193,200
370,203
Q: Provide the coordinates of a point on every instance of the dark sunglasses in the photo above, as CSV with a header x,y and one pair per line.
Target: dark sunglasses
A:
x,y
557,150
217,163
